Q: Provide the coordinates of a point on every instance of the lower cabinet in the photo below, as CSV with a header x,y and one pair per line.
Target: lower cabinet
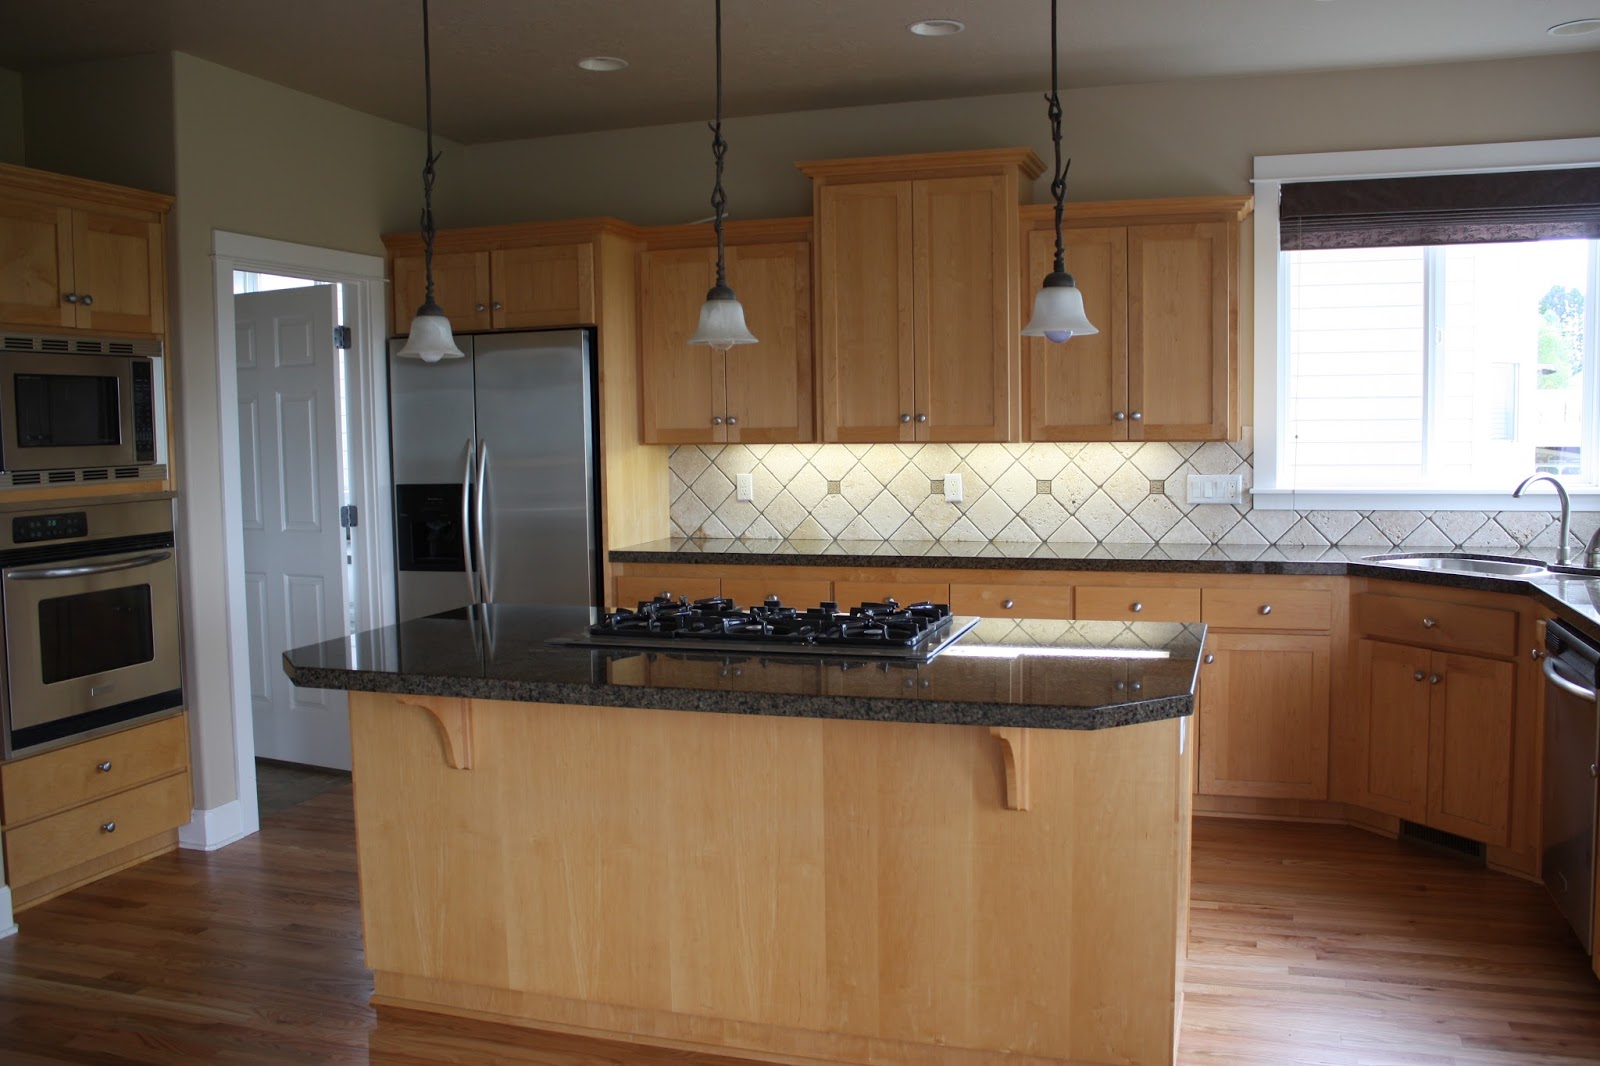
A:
x,y
1263,715
1438,735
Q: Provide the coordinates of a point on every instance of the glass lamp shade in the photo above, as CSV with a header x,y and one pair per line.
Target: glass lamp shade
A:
x,y
722,321
430,339
1058,311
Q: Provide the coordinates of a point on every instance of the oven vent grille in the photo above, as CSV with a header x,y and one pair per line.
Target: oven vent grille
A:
x,y
96,475
28,478
55,345
56,477
1439,840
123,472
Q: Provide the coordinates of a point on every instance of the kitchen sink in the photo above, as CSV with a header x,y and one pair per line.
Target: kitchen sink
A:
x,y
1451,563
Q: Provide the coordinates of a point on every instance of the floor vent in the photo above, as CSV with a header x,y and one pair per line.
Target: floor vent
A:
x,y
1439,840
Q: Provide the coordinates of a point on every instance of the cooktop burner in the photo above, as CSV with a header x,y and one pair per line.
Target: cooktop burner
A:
x,y
916,630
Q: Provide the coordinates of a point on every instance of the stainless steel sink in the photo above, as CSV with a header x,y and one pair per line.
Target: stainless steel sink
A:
x,y
1450,563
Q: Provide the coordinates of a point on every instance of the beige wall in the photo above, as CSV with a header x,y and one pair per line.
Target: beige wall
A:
x,y
258,159
110,121
11,138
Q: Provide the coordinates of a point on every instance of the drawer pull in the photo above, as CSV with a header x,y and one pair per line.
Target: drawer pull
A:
x,y
1008,604
1210,659
1138,607
1418,676
1266,608
1429,623
109,827
103,767
1434,679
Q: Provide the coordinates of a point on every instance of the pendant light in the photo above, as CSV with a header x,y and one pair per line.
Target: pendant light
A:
x,y
721,317
430,338
1058,307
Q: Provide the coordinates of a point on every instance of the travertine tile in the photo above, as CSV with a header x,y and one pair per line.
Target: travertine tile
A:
x,y
1128,532
860,487
935,460
810,529
1301,534
734,459
809,486
1099,462
990,513
1523,526
1365,534
761,529
1128,486
1157,460
1072,531
1017,486
785,513
1156,515
713,487
689,513
910,487
1185,532
834,461
834,514
1490,537
990,461
1018,532
884,463
1099,515
885,514
1272,525
1427,535
936,516
1333,524
1395,525
912,530
1044,461
963,530
1073,487
1044,515
1213,520
1215,457
859,529
1243,533
784,460
676,486
689,461
736,517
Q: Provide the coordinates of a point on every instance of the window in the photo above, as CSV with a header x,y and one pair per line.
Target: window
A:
x,y
1426,324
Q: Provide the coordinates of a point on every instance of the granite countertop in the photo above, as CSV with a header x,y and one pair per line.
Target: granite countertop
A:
x,y
1575,595
1004,672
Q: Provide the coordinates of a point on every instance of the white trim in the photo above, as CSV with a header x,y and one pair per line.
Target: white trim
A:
x,y
8,927
1271,276
1541,499
211,829
365,274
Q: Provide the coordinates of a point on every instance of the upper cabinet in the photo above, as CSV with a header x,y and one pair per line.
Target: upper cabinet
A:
x,y
1159,280
80,254
753,393
917,309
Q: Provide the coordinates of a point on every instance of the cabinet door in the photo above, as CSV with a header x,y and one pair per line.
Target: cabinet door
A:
x,y
1180,306
1392,715
683,384
117,270
535,288
1470,745
965,322
460,287
769,383
864,299
36,265
1264,716
1076,390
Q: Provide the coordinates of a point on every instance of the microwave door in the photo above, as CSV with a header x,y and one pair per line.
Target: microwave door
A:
x,y
66,411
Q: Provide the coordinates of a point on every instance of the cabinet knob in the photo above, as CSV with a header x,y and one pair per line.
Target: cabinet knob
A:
x,y
1428,623
1120,416
1137,686
716,420
86,299
108,827
103,767
1266,608
1008,604
480,308
1137,416
1537,654
922,418
71,297
1418,676
732,421
905,418
1434,679
497,306
1210,659
1138,607
1594,769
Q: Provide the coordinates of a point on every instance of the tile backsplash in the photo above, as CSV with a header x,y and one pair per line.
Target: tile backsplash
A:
x,y
1034,493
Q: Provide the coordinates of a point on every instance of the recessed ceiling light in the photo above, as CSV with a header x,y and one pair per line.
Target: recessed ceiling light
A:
x,y
937,27
1574,28
602,63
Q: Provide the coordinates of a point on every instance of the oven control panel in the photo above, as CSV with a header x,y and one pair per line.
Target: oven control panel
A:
x,y
69,525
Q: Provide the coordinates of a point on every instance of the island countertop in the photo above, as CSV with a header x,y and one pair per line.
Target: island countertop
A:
x,y
1041,673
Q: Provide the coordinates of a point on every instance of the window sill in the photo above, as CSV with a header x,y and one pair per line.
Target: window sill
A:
x,y
1542,498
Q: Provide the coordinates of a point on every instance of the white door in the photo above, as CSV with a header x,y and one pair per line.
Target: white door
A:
x,y
289,412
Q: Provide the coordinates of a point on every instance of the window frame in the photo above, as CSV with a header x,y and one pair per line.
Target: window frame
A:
x,y
1271,296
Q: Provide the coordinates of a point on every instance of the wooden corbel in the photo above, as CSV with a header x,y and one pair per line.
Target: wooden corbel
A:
x,y
454,718
1014,751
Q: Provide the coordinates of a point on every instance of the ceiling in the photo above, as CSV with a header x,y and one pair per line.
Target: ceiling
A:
x,y
506,69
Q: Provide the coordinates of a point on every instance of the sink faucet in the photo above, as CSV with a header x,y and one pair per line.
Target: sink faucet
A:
x,y
1562,556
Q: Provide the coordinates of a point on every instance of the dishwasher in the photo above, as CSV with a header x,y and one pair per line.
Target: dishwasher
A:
x,y
1571,775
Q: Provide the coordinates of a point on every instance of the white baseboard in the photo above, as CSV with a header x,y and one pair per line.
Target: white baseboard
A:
x,y
217,827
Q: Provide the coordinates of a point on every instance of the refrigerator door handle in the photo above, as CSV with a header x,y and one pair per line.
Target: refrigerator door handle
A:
x,y
466,527
482,538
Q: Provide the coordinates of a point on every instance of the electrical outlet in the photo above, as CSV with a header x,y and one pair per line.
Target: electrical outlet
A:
x,y
744,488
1216,488
952,488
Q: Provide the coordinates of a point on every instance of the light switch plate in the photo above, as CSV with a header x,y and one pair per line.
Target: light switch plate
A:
x,y
744,488
952,488
1216,488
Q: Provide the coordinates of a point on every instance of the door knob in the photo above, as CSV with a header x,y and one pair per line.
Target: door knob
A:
x,y
732,421
1266,608
498,306
716,420
480,308
1428,623
1210,659
1137,416
1434,679
1120,416
905,418
1418,676
104,767
1138,607
1008,604
922,418
108,827
71,297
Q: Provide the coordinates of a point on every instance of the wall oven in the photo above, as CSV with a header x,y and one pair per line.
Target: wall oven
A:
x,y
89,599
79,410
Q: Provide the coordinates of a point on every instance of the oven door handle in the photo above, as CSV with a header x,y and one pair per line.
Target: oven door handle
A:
x,y
1563,684
50,572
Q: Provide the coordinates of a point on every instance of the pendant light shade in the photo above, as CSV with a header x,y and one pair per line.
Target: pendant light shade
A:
x,y
1058,307
430,339
721,316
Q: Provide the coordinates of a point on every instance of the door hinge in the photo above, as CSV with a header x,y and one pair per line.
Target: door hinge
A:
x,y
341,337
348,517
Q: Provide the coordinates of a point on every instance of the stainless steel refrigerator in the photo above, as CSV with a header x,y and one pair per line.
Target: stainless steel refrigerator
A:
x,y
494,469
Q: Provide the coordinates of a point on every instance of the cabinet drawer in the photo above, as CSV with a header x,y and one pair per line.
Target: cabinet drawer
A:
x,y
1437,624
851,593
636,588
1128,604
53,844
38,785
1022,601
793,591
1267,608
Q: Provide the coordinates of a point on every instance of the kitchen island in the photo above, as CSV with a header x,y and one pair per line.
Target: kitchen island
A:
x,y
978,859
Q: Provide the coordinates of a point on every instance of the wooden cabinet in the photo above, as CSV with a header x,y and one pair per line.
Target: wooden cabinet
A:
x,y
1011,600
1162,289
756,393
1263,715
76,813
80,255
1119,603
918,317
527,287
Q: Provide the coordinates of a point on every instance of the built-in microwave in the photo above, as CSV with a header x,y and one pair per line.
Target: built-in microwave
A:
x,y
80,410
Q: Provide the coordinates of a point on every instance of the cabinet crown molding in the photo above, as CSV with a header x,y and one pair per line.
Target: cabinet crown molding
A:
x,y
1141,212
925,164
46,187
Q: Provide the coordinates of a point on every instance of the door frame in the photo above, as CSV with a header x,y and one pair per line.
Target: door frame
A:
x,y
369,459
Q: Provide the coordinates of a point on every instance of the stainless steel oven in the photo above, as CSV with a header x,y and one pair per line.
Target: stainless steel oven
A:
x,y
89,599
78,409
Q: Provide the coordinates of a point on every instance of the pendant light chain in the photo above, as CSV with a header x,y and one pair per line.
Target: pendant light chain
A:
x,y
427,166
1058,184
719,149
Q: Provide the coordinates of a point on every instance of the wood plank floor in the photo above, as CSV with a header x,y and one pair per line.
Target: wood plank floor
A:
x,y
1309,944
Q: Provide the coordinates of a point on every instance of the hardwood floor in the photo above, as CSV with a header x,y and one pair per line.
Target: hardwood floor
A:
x,y
1309,944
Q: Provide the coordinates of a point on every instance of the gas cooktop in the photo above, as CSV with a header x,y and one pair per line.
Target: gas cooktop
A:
x,y
886,629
